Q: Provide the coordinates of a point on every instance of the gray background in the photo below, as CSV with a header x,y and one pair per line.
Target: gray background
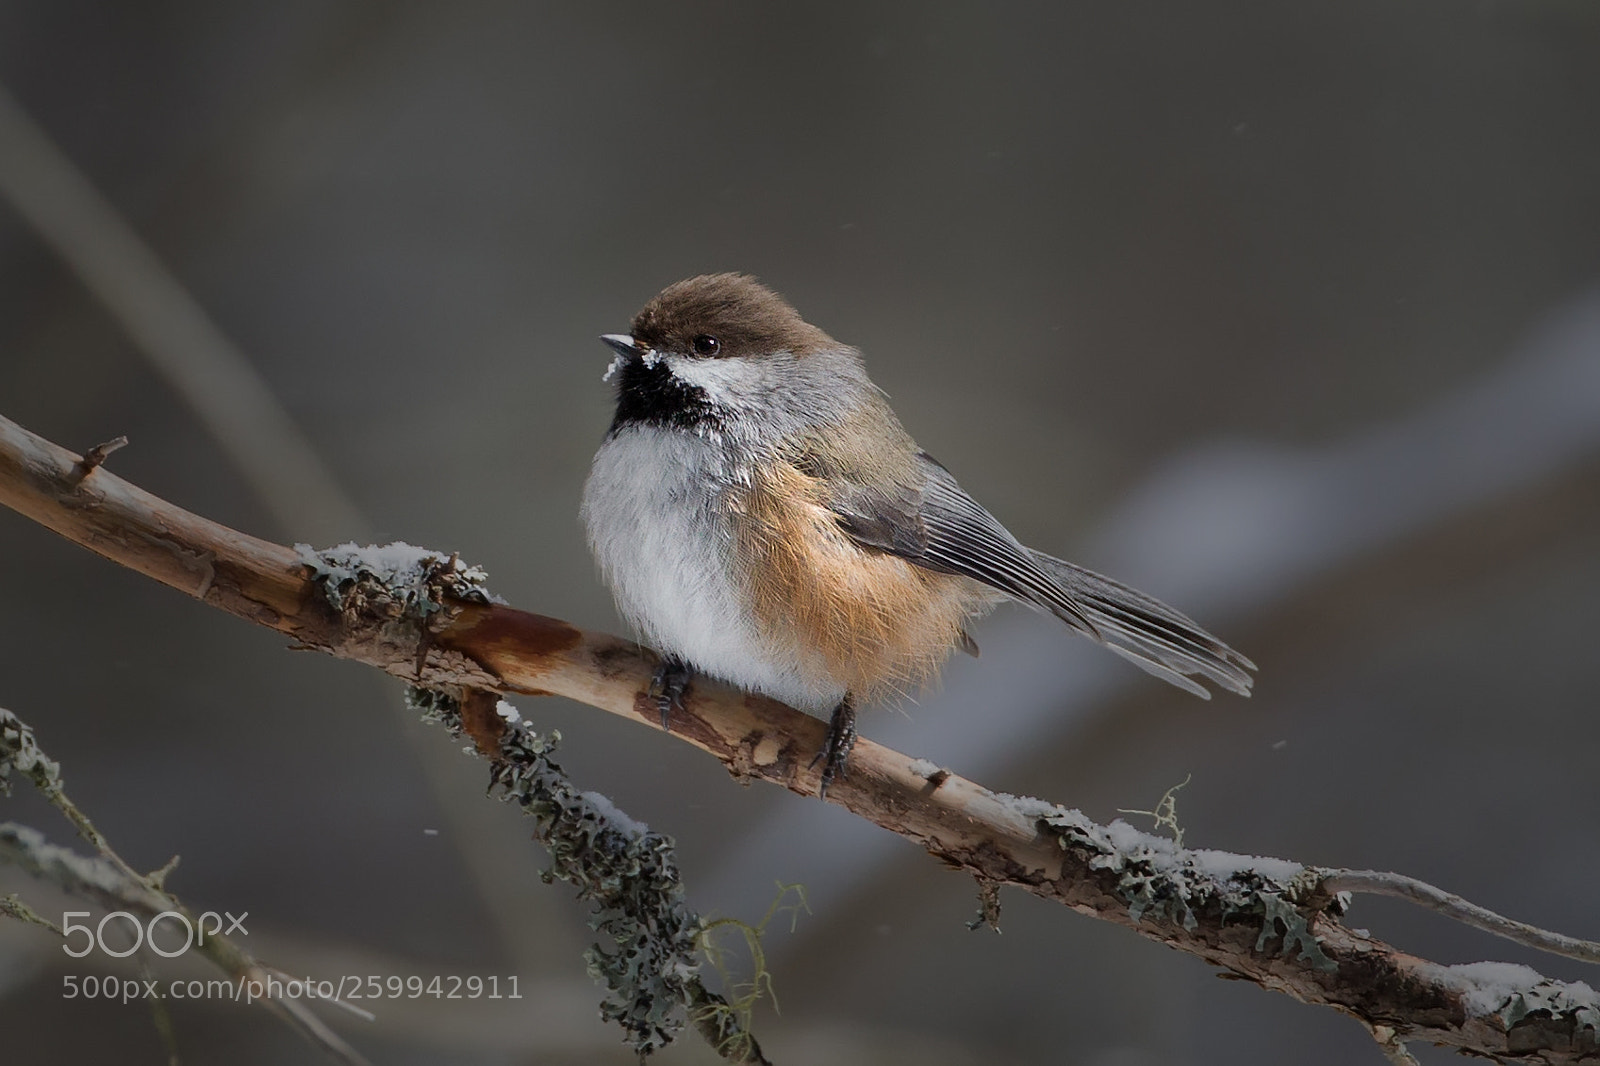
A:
x,y
1286,313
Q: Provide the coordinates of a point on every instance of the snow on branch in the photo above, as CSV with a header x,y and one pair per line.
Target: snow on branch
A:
x,y
427,619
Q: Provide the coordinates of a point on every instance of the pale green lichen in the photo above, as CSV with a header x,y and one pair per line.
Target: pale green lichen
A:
x,y
1165,815
392,580
1161,881
1554,999
20,751
988,916
1296,932
648,955
12,906
81,875
731,1018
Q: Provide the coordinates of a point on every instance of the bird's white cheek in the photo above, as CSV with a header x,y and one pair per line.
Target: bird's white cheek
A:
x,y
726,382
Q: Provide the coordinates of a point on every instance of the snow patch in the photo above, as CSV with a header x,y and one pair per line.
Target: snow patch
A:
x,y
613,816
403,569
1029,807
1491,984
1225,864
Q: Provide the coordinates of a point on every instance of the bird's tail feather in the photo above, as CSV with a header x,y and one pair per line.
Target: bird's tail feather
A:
x,y
1148,633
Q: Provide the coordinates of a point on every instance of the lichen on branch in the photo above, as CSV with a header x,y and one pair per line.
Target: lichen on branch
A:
x,y
1268,924
649,956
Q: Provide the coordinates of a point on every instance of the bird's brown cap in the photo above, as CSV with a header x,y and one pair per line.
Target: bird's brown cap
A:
x,y
742,316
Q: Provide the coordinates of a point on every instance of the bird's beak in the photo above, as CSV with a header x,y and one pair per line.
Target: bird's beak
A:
x,y
623,344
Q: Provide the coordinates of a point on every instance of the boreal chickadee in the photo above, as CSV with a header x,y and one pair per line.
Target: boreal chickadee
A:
x,y
763,518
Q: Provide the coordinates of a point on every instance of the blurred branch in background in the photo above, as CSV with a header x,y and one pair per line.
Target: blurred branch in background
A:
x,y
553,1015
233,402
110,882
216,380
428,620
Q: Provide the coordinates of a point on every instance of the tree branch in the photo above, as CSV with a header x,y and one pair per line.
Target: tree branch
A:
x,y
103,882
110,882
1379,883
1266,920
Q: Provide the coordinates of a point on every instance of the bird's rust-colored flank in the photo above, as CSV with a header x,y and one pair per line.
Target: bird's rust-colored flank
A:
x,y
869,621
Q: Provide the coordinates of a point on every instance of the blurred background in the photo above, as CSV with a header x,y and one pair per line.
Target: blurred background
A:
x,y
1289,314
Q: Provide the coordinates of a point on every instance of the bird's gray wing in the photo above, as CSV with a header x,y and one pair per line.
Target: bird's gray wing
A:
x,y
1146,631
933,523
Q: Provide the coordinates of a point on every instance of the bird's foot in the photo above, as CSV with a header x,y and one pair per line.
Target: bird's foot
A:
x,y
835,753
667,686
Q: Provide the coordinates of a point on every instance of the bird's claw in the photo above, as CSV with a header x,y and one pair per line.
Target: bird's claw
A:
x,y
667,686
835,753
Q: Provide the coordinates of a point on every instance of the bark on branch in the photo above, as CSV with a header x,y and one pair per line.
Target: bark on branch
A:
x,y
1270,921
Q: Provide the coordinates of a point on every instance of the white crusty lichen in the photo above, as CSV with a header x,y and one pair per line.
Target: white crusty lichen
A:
x,y
19,751
1158,879
83,875
1511,993
395,580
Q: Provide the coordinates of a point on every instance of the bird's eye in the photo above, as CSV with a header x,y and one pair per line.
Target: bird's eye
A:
x,y
706,345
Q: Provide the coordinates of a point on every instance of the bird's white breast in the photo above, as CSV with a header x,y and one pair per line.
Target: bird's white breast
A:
x,y
655,507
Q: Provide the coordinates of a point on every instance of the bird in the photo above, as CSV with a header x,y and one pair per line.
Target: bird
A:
x,y
762,517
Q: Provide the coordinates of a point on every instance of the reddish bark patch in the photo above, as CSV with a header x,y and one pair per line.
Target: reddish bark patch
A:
x,y
480,722
503,635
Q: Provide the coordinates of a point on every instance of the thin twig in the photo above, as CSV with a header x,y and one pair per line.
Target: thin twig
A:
x,y
1399,886
20,750
111,882
107,885
13,906
97,455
